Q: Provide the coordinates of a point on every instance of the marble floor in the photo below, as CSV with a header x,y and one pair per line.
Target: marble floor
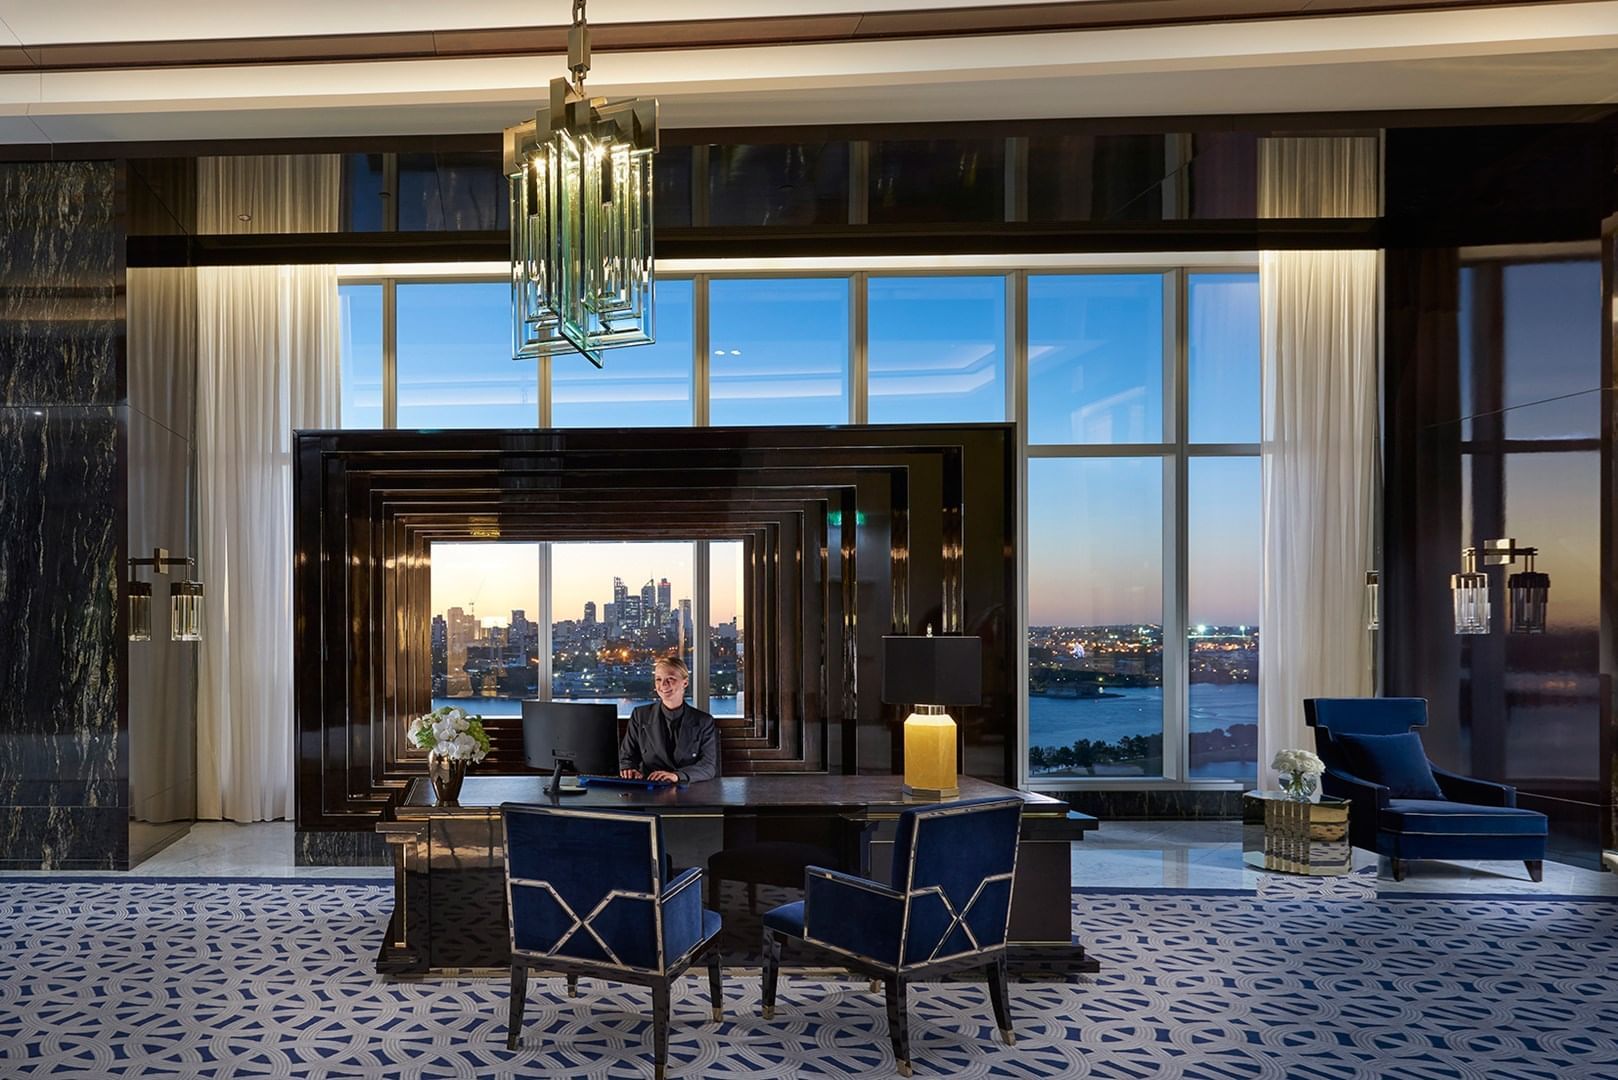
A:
x,y
1128,855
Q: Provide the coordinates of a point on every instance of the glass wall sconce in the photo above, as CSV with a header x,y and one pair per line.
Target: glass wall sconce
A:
x,y
185,601
185,611
1373,600
1470,589
1527,591
140,611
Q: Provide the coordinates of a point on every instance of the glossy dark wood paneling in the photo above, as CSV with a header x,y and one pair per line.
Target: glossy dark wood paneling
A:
x,y
934,543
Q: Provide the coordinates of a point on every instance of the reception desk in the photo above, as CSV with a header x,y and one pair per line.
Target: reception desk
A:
x,y
449,886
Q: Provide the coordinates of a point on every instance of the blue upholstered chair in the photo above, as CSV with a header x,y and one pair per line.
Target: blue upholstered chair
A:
x,y
1404,806
586,894
948,909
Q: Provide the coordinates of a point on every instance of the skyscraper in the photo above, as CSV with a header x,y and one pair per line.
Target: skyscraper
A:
x,y
589,613
648,604
619,594
685,618
664,603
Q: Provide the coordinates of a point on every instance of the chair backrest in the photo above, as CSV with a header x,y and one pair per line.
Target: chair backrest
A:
x,y
954,863
584,885
1360,716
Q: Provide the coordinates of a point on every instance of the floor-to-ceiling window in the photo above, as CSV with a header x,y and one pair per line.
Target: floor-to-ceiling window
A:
x,y
1136,390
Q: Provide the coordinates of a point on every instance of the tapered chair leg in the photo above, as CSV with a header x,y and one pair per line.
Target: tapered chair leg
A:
x,y
772,971
716,988
899,1025
1536,869
572,986
660,1030
519,997
995,974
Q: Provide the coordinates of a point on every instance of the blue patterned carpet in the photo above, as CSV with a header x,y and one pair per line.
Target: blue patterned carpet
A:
x,y
103,979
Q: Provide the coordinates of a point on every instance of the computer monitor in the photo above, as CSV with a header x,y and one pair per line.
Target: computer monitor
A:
x,y
575,734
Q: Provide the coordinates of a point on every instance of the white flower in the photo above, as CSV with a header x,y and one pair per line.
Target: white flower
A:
x,y
460,723
1297,762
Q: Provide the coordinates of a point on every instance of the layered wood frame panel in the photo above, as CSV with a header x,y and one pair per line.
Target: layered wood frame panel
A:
x,y
848,533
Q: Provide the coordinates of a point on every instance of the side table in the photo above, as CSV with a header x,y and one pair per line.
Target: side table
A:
x,y
1298,837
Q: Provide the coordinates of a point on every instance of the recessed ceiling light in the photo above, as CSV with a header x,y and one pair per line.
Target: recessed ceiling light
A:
x,y
719,352
735,352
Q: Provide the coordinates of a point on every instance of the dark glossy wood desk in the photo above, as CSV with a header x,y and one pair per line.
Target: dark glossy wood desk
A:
x,y
449,885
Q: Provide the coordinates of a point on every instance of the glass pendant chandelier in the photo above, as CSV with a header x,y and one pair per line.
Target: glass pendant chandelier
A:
x,y
1527,590
1373,600
580,175
185,600
1470,589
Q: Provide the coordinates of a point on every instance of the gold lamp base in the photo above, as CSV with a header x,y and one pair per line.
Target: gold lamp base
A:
x,y
930,763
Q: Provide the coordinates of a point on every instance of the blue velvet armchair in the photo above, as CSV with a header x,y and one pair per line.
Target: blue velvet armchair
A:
x,y
1405,807
586,894
948,909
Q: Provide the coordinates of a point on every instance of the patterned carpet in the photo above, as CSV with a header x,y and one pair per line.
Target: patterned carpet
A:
x,y
259,979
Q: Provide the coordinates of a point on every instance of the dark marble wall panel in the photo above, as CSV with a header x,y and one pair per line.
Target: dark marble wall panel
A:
x,y
61,257
63,434
61,690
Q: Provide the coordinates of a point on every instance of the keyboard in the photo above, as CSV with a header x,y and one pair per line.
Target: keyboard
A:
x,y
619,781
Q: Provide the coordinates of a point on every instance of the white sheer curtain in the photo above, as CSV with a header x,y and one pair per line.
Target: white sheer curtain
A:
x,y
1321,474
267,353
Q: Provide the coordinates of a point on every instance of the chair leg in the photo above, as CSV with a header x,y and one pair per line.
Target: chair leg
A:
x,y
995,973
1536,869
660,1029
572,986
716,988
772,971
899,1024
1398,869
519,997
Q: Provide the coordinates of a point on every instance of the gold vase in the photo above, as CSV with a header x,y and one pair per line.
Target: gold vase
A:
x,y
446,774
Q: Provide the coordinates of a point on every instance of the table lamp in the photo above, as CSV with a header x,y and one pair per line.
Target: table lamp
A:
x,y
931,672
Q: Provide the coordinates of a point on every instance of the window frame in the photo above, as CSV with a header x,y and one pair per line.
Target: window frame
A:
x,y
1175,451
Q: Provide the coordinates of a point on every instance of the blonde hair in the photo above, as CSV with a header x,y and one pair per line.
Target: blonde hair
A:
x,y
674,664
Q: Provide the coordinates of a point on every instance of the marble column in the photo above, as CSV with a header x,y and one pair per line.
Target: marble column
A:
x,y
64,801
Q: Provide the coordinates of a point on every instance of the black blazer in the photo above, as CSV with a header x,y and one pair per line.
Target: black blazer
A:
x,y
694,755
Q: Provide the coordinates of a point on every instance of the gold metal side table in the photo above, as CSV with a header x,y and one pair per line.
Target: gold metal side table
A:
x,y
1298,837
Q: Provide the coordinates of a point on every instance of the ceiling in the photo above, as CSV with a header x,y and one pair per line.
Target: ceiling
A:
x,y
58,88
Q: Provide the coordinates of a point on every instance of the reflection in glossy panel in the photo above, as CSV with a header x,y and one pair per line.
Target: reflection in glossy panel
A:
x,y
615,608
937,180
360,354
1223,175
465,190
644,385
1095,617
1224,536
671,193
779,351
727,632
1223,357
1095,358
363,199
455,366
1096,177
937,349
778,184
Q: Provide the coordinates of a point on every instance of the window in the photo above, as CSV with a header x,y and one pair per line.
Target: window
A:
x,y
778,351
455,366
1139,391
937,349
641,386
616,607
483,640
360,324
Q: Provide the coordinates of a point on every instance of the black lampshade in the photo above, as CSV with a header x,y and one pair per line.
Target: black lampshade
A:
x,y
932,670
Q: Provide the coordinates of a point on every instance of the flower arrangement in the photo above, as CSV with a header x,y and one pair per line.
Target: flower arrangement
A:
x,y
1300,771
450,732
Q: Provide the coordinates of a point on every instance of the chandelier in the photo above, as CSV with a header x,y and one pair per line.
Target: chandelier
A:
x,y
581,217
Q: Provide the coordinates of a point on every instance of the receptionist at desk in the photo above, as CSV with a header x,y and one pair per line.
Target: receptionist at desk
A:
x,y
670,739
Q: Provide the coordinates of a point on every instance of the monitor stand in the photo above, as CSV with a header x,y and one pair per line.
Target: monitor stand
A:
x,y
556,788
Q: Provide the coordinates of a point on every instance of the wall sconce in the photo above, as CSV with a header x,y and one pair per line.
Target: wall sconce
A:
x,y
1373,600
1470,589
140,611
1528,590
185,601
